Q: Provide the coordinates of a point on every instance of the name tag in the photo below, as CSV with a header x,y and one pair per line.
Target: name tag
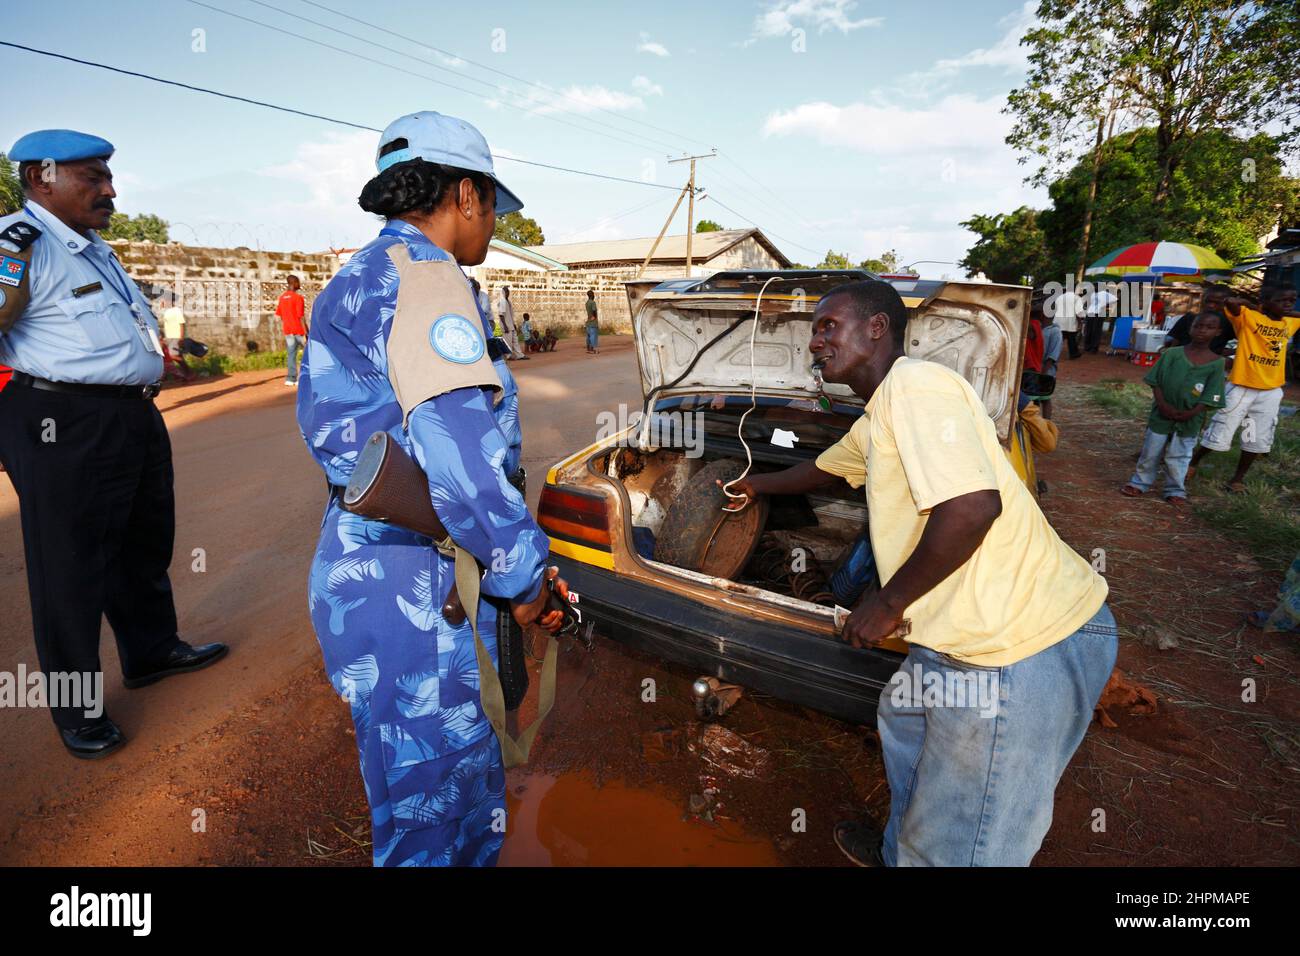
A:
x,y
87,289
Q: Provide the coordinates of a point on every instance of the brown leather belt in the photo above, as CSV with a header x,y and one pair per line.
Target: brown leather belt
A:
x,y
143,392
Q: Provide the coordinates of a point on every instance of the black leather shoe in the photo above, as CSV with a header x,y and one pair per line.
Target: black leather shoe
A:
x,y
93,740
860,841
181,660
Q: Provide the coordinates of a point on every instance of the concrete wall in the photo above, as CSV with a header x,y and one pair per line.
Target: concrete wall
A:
x,y
557,299
228,295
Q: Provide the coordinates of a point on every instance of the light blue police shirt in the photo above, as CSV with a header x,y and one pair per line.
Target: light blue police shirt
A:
x,y
91,338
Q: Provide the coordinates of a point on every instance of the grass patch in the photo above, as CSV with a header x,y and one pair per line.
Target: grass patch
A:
x,y
214,363
1121,398
1266,518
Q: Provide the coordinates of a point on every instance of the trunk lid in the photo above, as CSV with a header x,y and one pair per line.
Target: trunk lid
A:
x,y
975,328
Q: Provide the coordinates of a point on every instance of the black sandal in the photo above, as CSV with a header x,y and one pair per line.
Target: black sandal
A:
x,y
860,841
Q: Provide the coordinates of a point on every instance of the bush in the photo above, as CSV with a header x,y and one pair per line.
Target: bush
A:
x,y
215,363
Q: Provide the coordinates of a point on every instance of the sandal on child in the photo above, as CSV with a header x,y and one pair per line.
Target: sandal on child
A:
x,y
1131,491
1235,487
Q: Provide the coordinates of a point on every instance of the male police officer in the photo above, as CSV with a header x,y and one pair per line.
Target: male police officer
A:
x,y
86,449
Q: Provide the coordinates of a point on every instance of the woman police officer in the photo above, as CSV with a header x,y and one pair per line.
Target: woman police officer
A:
x,y
398,344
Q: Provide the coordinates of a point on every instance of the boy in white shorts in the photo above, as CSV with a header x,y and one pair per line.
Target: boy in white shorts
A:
x,y
1254,392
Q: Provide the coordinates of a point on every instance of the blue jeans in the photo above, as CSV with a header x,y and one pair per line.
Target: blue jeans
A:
x,y
293,346
591,337
973,765
1177,458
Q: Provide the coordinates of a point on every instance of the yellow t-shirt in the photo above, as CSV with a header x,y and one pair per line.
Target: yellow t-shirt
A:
x,y
925,438
1261,348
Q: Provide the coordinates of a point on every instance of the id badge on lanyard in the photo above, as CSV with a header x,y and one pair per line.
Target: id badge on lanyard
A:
x,y
147,332
122,285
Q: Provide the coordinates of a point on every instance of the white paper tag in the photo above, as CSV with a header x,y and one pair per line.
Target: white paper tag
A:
x,y
149,336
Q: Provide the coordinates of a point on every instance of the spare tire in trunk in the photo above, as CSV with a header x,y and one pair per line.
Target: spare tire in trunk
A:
x,y
698,535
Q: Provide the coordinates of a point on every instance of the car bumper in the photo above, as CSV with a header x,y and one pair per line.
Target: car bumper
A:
x,y
785,662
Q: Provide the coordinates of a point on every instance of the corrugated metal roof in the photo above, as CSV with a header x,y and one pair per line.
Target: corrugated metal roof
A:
x,y
705,246
530,253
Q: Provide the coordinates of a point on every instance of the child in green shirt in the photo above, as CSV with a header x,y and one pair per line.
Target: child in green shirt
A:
x,y
1185,382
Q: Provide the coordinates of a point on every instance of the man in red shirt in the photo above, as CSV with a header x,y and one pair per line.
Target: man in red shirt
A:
x,y
291,310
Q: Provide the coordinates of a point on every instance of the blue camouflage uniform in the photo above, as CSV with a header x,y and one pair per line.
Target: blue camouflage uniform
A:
x,y
429,758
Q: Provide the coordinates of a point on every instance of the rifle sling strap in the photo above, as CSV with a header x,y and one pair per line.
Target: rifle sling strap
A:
x,y
514,752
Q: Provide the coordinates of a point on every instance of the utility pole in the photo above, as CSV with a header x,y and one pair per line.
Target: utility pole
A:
x,y
690,206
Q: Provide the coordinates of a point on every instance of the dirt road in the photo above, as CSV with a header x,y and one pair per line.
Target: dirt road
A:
x,y
252,761
249,501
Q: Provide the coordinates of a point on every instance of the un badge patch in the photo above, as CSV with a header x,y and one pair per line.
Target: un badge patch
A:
x,y
456,339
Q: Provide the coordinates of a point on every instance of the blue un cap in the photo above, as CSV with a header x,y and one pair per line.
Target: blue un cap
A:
x,y
443,139
59,145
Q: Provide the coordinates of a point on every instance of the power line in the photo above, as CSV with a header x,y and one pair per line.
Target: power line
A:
x,y
797,217
403,70
494,88
775,195
608,219
715,199
186,86
318,116
491,69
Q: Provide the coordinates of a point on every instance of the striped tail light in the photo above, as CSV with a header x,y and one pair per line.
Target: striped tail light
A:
x,y
574,516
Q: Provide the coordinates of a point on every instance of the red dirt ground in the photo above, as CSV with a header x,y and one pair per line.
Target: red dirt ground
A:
x,y
1207,780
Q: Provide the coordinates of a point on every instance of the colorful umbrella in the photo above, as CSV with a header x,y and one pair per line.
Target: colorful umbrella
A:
x,y
1178,260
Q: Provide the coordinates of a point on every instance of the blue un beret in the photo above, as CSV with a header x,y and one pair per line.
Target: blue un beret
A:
x,y
60,145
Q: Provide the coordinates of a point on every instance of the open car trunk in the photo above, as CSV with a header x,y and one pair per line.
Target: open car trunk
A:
x,y
694,350
791,546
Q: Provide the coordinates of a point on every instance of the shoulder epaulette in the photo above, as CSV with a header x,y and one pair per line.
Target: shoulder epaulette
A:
x,y
19,235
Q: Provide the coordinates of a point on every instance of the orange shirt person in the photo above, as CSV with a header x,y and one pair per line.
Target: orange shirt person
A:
x,y
292,311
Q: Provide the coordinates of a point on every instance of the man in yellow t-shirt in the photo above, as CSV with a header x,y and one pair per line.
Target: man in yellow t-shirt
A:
x,y
1011,641
1253,397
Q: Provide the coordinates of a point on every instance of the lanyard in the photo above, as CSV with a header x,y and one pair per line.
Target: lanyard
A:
x,y
120,283
123,289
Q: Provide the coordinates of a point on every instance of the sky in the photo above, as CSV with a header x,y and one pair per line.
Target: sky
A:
x,y
858,126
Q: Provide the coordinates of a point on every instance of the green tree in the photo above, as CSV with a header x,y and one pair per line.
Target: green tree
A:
x,y
886,263
1224,195
11,190
834,260
145,227
1183,67
1011,247
519,229
708,225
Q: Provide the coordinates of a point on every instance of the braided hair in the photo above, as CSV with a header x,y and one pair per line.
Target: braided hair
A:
x,y
416,185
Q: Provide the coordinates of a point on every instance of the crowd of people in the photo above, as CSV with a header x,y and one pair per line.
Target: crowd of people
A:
x,y
523,337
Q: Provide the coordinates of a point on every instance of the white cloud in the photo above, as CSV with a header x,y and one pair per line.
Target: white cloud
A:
x,y
1006,53
957,124
785,15
923,170
644,85
322,183
333,169
586,99
648,45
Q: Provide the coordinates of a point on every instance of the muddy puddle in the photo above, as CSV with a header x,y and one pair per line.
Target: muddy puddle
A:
x,y
567,820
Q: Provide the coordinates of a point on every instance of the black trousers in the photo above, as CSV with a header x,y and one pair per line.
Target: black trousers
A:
x,y
1072,340
94,483
1092,333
